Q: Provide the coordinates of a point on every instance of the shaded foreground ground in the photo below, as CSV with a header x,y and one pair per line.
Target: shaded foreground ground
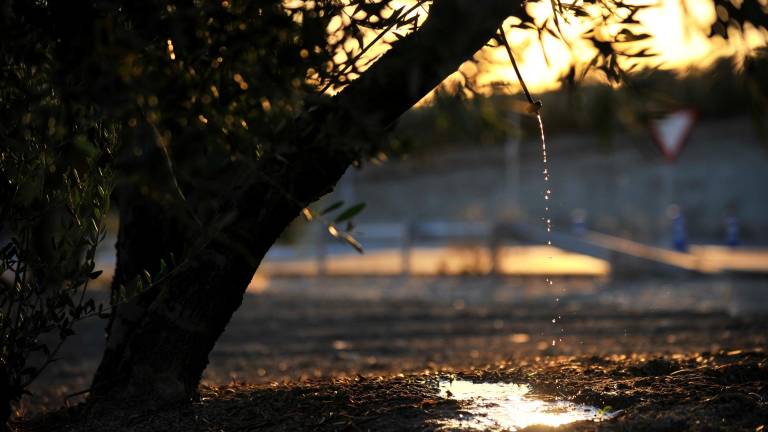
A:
x,y
326,353
702,392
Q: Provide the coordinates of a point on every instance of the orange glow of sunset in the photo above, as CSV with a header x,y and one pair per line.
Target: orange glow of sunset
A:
x,y
678,30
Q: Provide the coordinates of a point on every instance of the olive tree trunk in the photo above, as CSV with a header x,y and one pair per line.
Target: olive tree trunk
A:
x,y
159,342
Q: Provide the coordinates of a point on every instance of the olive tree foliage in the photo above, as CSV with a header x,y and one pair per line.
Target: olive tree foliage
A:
x,y
93,93
190,107
55,180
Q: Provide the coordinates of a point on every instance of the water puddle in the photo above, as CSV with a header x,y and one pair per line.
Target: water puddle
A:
x,y
500,406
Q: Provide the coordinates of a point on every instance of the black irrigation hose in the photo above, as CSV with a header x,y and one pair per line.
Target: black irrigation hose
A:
x,y
503,39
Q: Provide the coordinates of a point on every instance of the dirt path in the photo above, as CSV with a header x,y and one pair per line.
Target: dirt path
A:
x,y
299,331
703,392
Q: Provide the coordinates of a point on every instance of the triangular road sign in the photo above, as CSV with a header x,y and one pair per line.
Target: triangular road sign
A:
x,y
671,132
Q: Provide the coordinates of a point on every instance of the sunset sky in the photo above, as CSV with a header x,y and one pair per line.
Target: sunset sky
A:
x,y
678,38
679,29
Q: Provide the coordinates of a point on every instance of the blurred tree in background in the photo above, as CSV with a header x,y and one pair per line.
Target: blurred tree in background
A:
x,y
212,126
723,89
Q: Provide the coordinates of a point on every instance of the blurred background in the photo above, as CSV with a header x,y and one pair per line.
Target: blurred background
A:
x,y
658,215
651,252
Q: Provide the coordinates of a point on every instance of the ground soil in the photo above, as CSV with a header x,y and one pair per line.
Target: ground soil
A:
x,y
725,391
352,354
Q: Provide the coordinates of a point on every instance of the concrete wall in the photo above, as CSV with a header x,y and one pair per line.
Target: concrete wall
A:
x,y
624,190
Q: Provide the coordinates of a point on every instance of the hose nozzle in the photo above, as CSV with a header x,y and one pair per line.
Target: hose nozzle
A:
x,y
534,107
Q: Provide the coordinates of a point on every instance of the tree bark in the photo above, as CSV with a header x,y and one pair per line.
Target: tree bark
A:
x,y
5,397
159,341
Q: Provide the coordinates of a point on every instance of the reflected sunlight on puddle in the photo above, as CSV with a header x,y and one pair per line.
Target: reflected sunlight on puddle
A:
x,y
499,406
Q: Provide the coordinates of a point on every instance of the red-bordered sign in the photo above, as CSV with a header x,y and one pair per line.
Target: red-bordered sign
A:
x,y
671,132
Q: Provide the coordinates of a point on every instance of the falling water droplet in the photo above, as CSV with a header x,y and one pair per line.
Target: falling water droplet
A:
x,y
546,218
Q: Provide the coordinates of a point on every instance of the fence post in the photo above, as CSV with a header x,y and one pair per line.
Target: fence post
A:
x,y
320,251
405,253
494,246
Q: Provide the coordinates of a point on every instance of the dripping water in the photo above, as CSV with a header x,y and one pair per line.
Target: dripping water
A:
x,y
546,173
